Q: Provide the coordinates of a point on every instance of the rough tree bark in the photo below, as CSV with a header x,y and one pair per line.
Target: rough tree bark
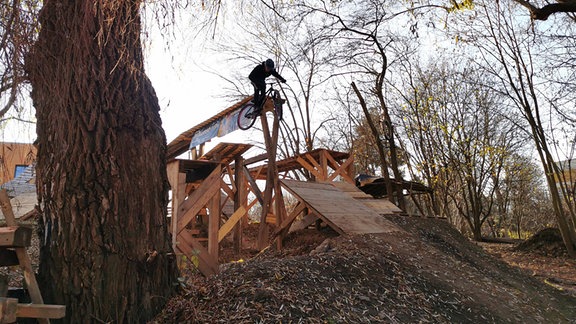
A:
x,y
101,174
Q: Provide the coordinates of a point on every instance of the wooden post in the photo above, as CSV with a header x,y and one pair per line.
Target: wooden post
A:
x,y
214,225
178,185
271,141
280,209
324,165
263,231
240,200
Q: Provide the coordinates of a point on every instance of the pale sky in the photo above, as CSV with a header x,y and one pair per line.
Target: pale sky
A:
x,y
187,94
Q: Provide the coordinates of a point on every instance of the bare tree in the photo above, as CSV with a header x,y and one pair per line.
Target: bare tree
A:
x,y
525,202
458,139
507,52
17,33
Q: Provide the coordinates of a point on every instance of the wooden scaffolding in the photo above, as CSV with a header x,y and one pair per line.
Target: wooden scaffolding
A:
x,y
213,193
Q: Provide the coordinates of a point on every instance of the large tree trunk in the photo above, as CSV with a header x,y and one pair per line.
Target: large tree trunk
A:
x,y
101,174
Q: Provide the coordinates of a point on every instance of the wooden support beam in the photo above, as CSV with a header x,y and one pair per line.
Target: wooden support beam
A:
x,y
15,236
306,221
213,225
198,199
316,165
230,223
288,221
240,200
224,186
194,249
256,158
177,182
231,176
251,204
254,186
343,171
263,230
40,311
8,310
308,167
331,161
324,164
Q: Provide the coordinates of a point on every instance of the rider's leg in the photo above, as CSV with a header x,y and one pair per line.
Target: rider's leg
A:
x,y
259,93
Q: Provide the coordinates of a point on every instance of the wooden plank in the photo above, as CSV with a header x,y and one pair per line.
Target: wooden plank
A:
x,y
324,164
253,186
305,222
224,186
338,209
240,200
213,225
40,311
343,171
351,190
230,223
382,206
194,249
15,236
198,199
288,221
271,150
331,161
177,182
23,258
8,310
308,167
316,165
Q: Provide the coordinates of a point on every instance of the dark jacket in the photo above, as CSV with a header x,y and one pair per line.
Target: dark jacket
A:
x,y
259,74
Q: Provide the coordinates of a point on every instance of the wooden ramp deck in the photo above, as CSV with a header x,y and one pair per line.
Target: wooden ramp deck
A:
x,y
340,210
381,206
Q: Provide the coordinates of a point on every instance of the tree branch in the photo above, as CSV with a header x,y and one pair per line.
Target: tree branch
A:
x,y
549,9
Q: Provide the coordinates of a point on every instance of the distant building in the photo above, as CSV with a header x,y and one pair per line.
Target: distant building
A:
x,y
14,159
567,174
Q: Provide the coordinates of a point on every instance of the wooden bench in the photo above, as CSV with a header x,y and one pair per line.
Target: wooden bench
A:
x,y
13,242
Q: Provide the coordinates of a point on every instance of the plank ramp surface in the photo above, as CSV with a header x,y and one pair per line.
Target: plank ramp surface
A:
x,y
340,210
382,206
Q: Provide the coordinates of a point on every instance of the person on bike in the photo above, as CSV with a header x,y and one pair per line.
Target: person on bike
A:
x,y
258,77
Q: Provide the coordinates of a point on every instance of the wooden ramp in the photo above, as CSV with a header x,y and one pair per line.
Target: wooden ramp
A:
x,y
341,211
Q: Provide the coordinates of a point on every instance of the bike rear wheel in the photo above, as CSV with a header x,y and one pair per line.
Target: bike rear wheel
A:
x,y
244,121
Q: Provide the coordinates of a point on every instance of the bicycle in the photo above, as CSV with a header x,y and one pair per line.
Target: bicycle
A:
x,y
248,114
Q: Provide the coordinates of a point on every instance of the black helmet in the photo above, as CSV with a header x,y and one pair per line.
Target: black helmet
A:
x,y
269,64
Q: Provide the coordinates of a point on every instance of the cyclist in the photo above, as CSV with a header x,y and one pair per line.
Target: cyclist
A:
x,y
258,78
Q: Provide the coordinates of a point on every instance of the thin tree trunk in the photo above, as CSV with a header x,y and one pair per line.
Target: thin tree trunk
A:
x,y
101,173
379,145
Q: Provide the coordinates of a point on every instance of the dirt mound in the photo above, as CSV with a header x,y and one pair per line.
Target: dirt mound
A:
x,y
547,242
426,273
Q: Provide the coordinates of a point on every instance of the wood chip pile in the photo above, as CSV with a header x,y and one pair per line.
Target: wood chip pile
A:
x,y
431,274
341,285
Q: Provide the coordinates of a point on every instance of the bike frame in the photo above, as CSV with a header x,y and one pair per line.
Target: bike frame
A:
x,y
246,119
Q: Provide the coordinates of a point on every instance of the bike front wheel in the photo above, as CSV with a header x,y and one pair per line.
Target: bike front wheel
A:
x,y
247,117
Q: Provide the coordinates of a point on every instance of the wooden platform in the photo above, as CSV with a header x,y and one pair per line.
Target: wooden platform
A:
x,y
340,210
